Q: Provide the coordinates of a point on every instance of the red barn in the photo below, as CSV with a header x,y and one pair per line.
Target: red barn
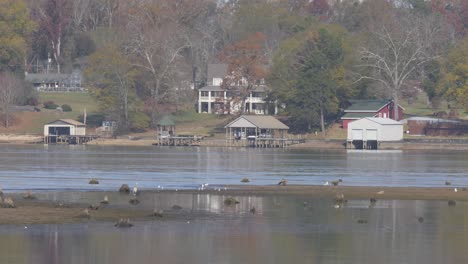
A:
x,y
370,108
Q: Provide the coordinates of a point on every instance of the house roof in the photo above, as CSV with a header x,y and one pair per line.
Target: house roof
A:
x,y
429,120
383,121
211,88
216,71
259,121
67,121
256,88
358,115
40,78
166,121
367,105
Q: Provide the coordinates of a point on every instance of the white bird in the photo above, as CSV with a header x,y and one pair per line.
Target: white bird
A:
x,y
135,189
455,190
326,183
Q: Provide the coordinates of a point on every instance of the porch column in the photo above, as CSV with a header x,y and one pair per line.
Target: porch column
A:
x,y
250,103
199,102
209,102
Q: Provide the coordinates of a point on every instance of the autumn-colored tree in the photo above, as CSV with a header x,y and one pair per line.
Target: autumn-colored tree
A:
x,y
455,13
111,80
246,68
307,75
15,28
454,84
320,8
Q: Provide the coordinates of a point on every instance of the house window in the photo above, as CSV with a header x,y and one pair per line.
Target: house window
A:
x,y
217,81
257,94
204,93
217,94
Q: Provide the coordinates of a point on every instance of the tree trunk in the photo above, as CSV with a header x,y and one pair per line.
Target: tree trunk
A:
x,y
7,117
395,106
322,122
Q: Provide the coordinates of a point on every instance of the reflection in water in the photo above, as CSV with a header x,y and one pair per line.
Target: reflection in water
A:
x,y
71,167
285,229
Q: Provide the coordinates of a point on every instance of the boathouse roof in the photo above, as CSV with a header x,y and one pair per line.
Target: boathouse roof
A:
x,y
258,121
67,121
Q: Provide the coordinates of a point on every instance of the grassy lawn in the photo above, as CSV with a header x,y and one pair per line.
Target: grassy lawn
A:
x,y
192,123
33,122
420,108
78,102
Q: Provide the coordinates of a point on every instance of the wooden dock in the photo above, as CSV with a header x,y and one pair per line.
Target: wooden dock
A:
x,y
68,139
264,142
179,141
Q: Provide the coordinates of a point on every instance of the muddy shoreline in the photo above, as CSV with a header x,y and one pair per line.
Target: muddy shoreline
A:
x,y
43,211
407,144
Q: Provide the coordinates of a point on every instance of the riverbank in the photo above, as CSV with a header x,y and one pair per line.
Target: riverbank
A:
x,y
135,141
44,210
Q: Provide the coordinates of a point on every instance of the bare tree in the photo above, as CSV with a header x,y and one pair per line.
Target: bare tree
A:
x,y
246,68
10,88
396,52
55,18
156,41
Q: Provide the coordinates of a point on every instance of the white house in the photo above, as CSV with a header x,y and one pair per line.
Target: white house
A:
x,y
213,98
373,130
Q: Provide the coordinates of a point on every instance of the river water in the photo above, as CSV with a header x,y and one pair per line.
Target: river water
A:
x,y
71,167
284,229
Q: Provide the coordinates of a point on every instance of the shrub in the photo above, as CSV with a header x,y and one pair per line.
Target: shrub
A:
x,y
94,120
50,105
32,101
66,108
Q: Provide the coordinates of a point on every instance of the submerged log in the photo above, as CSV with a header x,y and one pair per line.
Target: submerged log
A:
x,y
124,188
93,181
134,201
283,182
123,223
230,201
157,213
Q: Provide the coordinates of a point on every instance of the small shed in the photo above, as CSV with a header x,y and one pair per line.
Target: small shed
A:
x,y
370,108
166,127
63,130
429,126
370,131
68,127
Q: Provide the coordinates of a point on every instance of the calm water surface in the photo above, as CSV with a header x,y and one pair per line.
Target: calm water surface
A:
x,y
283,230
70,167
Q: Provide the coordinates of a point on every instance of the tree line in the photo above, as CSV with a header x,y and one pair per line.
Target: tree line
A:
x,y
144,58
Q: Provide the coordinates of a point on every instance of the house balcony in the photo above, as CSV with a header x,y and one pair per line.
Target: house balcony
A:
x,y
255,100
